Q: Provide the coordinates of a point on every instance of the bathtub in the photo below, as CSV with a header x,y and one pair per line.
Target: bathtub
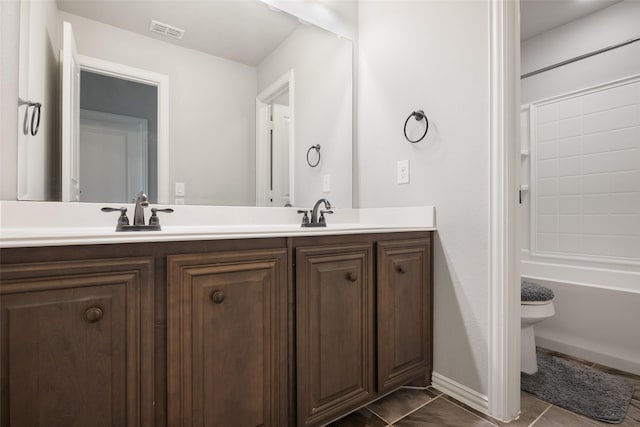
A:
x,y
597,312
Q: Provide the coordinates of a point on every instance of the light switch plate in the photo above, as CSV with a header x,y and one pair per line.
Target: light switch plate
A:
x,y
179,189
326,183
403,172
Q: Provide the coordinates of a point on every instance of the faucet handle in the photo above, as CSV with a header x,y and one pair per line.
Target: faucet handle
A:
x,y
122,219
305,216
322,219
154,220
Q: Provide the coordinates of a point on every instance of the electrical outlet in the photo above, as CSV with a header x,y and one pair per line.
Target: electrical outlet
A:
x,y
403,172
326,183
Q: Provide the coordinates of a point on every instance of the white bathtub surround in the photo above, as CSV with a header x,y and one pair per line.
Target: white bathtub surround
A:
x,y
53,223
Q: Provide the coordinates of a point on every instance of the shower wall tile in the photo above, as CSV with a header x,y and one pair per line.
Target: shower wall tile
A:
x,y
548,168
598,204
547,242
625,181
571,107
611,120
548,187
586,182
547,113
570,205
548,132
610,141
570,224
570,166
548,205
570,243
624,203
547,150
547,224
610,99
625,246
596,184
570,147
570,127
570,185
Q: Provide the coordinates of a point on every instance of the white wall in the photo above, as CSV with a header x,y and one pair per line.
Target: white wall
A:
x,y
9,54
434,56
596,303
612,25
322,65
41,51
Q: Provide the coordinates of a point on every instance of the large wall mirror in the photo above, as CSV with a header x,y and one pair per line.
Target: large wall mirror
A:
x,y
223,102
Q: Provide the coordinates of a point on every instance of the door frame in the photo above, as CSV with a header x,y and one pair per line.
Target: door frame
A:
x,y
504,231
161,82
263,101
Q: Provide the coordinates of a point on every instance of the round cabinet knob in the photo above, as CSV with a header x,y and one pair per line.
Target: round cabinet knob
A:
x,y
400,269
352,277
93,314
217,297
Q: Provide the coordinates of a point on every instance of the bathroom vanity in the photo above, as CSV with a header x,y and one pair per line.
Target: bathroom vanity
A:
x,y
294,329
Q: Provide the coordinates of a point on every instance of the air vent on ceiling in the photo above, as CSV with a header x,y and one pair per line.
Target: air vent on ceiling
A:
x,y
166,29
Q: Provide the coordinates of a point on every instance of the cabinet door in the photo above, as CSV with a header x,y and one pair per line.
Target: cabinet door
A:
x,y
334,330
404,317
227,336
71,344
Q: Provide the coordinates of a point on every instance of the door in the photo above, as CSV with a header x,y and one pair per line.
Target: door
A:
x,y
334,330
227,339
404,316
280,155
70,130
77,343
113,155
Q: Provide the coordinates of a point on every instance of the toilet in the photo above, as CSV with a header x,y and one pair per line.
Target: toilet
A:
x,y
536,305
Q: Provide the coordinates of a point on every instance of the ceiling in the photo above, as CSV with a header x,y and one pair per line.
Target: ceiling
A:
x,y
538,16
243,31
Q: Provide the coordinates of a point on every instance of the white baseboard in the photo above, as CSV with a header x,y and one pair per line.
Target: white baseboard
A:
x,y
462,393
583,352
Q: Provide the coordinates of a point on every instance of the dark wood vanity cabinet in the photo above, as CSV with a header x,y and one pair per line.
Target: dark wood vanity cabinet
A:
x,y
281,331
227,337
403,312
334,330
363,321
76,343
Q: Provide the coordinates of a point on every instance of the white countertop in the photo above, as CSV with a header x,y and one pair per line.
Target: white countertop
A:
x,y
31,224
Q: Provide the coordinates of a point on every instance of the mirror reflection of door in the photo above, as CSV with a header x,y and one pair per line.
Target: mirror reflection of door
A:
x,y
118,128
279,184
113,156
109,133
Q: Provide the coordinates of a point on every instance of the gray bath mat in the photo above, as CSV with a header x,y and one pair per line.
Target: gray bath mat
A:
x,y
580,389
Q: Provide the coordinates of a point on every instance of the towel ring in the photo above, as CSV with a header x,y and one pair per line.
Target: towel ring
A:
x,y
35,124
419,115
317,148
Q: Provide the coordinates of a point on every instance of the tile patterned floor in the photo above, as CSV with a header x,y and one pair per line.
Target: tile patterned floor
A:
x,y
416,407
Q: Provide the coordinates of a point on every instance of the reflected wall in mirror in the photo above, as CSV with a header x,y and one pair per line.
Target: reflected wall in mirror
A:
x,y
206,134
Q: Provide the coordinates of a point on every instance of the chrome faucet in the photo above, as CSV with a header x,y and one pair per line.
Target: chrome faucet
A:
x,y
314,212
142,201
315,221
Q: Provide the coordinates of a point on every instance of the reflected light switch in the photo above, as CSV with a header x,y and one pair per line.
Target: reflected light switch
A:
x,y
179,189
